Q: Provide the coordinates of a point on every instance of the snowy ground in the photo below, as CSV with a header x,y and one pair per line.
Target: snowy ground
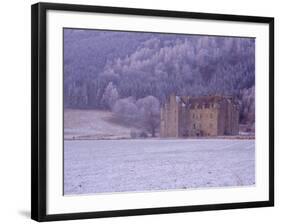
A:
x,y
99,166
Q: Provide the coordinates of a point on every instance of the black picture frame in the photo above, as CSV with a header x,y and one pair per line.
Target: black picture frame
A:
x,y
39,107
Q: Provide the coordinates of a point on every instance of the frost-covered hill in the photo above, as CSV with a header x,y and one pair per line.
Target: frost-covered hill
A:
x,y
92,124
138,64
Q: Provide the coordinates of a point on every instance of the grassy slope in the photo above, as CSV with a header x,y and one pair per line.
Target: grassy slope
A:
x,y
92,124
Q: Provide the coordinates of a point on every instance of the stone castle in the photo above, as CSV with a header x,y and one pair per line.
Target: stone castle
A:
x,y
184,116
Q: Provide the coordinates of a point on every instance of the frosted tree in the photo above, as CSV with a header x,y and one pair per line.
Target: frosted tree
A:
x,y
247,106
110,96
126,110
149,113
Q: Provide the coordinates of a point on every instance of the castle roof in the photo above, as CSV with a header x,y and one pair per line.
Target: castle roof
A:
x,y
203,101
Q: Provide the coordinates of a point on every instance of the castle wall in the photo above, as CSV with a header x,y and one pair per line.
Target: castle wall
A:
x,y
183,121
228,119
203,122
217,117
222,118
170,119
234,125
236,122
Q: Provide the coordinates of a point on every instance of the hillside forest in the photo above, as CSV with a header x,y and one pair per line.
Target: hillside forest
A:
x,y
133,73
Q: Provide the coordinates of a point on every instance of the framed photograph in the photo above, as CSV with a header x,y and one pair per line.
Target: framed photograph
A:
x,y
140,111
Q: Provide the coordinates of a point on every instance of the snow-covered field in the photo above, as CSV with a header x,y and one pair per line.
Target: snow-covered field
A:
x,y
99,166
92,124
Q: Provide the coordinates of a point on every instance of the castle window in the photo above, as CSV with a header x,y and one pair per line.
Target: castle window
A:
x,y
211,125
200,116
194,126
211,115
193,115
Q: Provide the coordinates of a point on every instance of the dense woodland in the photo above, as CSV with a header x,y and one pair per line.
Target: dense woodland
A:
x,y
133,73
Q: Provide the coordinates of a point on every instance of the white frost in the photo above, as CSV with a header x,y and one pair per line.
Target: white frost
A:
x,y
99,166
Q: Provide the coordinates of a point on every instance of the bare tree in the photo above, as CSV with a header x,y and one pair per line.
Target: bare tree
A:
x,y
149,113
